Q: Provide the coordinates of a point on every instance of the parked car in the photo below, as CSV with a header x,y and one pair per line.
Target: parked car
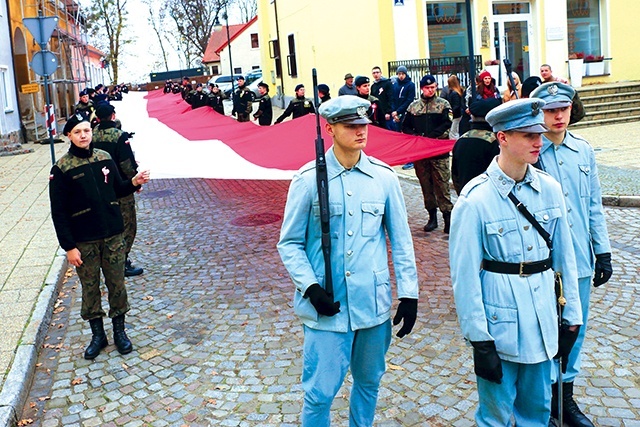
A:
x,y
224,82
251,80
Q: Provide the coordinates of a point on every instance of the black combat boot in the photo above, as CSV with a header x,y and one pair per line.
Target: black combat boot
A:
x,y
98,340
447,221
573,416
433,220
123,344
131,270
554,405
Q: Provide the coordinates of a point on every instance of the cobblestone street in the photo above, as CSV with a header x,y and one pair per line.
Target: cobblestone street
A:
x,y
216,342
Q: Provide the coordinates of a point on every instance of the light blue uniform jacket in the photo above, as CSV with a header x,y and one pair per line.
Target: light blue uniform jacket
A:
x,y
573,164
365,202
518,313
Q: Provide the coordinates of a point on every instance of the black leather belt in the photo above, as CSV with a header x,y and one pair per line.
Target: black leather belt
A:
x,y
525,268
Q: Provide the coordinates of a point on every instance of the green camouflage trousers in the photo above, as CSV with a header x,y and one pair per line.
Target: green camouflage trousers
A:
x,y
434,175
128,209
108,255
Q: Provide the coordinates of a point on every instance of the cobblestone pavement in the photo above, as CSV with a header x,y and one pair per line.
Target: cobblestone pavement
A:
x,y
217,343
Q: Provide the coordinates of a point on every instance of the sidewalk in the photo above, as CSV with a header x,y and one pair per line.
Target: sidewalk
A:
x,y
239,339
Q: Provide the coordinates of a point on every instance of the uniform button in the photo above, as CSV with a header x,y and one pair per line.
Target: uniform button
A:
x,y
568,209
494,317
349,193
526,227
545,217
349,252
350,233
566,194
555,147
570,225
500,178
519,187
350,213
560,162
529,247
500,230
376,210
348,273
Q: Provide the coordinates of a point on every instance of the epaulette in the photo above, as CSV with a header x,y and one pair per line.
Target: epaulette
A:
x,y
101,155
485,135
308,167
482,178
576,136
378,162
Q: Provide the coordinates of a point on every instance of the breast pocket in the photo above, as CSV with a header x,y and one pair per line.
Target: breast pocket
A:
x,y
503,327
372,213
546,218
585,180
335,212
501,238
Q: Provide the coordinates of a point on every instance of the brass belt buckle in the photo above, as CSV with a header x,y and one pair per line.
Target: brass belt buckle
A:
x,y
521,272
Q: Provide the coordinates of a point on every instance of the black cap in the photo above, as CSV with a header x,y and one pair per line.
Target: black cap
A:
x,y
73,121
427,80
529,84
360,80
480,107
264,85
105,111
298,87
84,92
323,88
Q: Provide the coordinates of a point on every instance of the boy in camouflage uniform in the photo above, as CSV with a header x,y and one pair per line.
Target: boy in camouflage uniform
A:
x,y
431,116
84,185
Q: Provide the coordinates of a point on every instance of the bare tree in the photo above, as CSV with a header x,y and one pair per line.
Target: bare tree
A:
x,y
107,21
194,21
248,9
156,19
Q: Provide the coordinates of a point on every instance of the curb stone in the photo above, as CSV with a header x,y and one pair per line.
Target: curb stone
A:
x,y
18,381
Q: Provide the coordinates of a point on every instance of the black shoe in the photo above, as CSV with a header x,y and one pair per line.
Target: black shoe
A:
x,y
447,221
131,270
432,224
573,416
98,339
123,344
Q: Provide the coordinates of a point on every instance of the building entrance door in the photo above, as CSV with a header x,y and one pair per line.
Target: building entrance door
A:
x,y
512,35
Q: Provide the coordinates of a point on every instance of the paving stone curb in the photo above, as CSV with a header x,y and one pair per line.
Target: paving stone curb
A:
x,y
18,382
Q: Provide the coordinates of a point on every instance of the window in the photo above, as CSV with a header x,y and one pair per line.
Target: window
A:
x,y
447,26
583,24
274,52
5,89
214,70
255,44
291,58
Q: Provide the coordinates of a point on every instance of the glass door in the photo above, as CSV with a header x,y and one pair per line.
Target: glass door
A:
x,y
511,41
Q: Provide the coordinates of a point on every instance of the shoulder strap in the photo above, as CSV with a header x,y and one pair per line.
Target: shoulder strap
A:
x,y
524,211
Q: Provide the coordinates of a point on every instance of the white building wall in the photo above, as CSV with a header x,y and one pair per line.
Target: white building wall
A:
x,y
406,25
9,113
242,54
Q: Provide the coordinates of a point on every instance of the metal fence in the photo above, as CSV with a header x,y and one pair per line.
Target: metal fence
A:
x,y
440,68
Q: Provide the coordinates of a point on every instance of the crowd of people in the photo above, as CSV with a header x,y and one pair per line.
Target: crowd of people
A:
x,y
529,214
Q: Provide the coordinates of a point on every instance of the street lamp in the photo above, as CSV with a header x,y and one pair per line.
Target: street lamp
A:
x,y
218,27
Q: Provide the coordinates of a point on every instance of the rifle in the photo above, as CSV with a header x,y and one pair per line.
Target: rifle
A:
x,y
561,302
507,66
322,181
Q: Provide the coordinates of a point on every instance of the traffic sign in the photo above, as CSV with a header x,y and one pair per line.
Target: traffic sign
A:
x,y
30,88
41,28
44,63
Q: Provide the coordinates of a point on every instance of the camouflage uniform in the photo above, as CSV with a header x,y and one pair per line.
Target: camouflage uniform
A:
x,y
116,142
431,118
83,189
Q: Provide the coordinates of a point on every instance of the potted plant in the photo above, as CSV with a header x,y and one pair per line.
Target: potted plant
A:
x,y
493,67
576,65
594,64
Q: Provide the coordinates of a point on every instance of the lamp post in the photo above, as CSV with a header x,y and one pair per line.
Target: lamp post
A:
x,y
218,26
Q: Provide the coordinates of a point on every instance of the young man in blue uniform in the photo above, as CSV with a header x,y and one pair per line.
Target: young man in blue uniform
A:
x,y
572,161
501,273
352,330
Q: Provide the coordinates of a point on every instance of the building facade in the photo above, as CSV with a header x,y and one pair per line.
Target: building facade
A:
x,y
9,114
380,32
245,49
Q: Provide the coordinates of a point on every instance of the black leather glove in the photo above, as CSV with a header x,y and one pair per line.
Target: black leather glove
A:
x,y
566,339
407,311
486,362
321,301
603,269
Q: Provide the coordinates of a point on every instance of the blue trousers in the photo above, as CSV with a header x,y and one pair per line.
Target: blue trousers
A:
x,y
327,357
525,393
575,357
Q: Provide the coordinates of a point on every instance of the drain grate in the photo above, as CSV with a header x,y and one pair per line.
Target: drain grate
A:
x,y
254,220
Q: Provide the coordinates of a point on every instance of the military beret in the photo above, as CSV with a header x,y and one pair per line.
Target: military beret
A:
x,y
104,111
100,86
264,85
240,78
90,90
348,109
199,85
401,69
348,76
360,80
323,88
427,80
554,94
73,121
520,115
481,107
529,84
299,86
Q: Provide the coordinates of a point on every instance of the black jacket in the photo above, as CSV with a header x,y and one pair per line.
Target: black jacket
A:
x,y
298,107
265,111
383,90
214,100
107,137
84,186
472,154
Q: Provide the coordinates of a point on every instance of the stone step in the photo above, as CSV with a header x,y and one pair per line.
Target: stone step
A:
x,y
601,99
599,122
615,105
611,114
608,89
